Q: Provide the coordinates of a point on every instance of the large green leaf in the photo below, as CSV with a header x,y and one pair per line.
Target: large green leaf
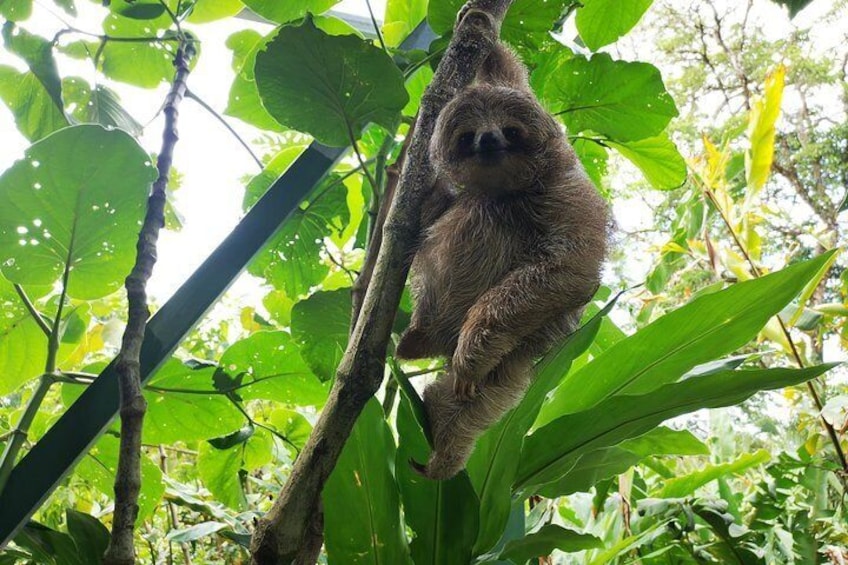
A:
x,y
707,328
90,536
321,324
16,10
75,199
328,86
601,22
443,514
401,18
138,63
493,464
204,11
658,159
290,10
23,346
622,100
686,485
99,106
555,449
270,367
99,466
38,54
178,409
243,102
550,537
363,524
219,471
292,259
35,113
608,462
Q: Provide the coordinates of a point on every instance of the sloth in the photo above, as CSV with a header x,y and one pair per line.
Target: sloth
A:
x,y
513,238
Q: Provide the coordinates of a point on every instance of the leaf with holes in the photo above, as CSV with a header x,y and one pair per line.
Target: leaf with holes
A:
x,y
290,10
274,370
75,200
343,83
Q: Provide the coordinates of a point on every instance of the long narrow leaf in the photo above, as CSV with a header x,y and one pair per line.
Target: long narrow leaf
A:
x,y
705,329
554,449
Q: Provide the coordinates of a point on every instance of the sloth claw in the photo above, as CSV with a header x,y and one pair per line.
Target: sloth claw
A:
x,y
418,467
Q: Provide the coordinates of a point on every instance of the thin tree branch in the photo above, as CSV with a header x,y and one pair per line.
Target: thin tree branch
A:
x,y
280,534
133,406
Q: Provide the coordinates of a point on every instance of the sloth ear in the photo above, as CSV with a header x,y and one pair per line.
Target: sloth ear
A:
x,y
503,68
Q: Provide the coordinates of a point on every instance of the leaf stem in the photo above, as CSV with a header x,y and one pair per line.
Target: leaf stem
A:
x,y
36,315
376,27
192,96
19,435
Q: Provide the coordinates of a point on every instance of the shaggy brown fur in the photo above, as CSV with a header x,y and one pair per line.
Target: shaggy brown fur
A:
x,y
514,238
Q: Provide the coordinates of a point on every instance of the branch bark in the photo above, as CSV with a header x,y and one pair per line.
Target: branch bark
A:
x,y
280,534
121,548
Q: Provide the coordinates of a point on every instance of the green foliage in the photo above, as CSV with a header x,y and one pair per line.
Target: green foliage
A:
x,y
333,111
59,207
606,459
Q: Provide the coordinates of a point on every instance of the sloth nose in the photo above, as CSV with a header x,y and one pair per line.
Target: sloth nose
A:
x,y
490,141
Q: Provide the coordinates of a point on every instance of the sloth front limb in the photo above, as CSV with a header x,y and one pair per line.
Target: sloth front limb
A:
x,y
505,315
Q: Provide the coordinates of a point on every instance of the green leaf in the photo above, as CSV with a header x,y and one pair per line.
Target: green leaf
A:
x,y
36,115
363,485
204,11
549,538
657,158
16,10
593,157
99,466
794,6
76,198
554,449
186,416
292,259
343,83
23,346
99,106
38,54
494,462
141,64
90,536
273,369
622,100
764,114
402,16
219,471
708,327
293,426
321,325
608,462
243,102
686,485
195,532
443,514
48,545
138,9
601,22
290,10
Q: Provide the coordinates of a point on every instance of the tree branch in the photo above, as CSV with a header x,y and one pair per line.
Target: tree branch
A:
x,y
133,406
280,535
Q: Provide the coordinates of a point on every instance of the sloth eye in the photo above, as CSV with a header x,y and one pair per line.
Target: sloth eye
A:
x,y
466,140
512,134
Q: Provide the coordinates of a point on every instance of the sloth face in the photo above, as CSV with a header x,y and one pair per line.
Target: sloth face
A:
x,y
493,139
